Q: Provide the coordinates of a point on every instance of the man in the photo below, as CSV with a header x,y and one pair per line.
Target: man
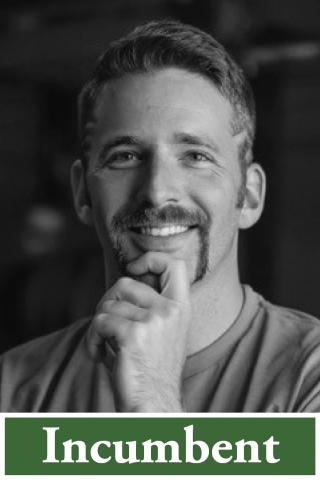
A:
x,y
167,180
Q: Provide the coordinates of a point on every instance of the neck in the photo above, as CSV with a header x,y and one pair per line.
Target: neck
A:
x,y
216,303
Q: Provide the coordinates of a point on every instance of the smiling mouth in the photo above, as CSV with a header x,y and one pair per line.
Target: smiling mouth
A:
x,y
165,231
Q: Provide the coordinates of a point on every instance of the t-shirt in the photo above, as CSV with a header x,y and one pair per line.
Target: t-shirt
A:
x,y
267,361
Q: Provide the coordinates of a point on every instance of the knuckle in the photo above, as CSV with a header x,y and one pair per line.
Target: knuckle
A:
x,y
149,255
124,283
99,320
152,315
150,258
172,310
109,304
181,264
164,312
105,306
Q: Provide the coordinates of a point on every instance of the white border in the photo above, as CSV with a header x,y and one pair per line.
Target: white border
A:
x,y
162,477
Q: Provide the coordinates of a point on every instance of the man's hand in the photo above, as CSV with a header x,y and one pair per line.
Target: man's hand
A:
x,y
148,332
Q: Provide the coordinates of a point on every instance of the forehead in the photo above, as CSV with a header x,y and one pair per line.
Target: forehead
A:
x,y
163,99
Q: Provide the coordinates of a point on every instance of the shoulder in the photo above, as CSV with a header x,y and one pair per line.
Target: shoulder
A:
x,y
39,349
32,367
299,332
261,310
284,333
290,322
285,353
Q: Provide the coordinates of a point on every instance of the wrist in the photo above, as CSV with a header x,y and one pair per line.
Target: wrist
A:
x,y
167,400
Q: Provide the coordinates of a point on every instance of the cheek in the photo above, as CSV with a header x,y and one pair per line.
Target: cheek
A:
x,y
207,191
108,195
217,197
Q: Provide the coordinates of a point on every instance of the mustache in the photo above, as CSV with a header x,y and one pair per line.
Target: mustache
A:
x,y
145,215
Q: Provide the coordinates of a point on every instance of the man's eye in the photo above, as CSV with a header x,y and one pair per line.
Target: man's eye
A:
x,y
198,159
198,156
123,160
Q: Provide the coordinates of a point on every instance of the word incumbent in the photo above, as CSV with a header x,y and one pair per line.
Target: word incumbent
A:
x,y
194,451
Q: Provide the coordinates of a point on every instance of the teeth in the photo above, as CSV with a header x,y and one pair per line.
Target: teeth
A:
x,y
163,232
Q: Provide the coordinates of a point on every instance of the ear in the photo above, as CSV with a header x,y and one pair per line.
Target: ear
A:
x,y
80,195
255,190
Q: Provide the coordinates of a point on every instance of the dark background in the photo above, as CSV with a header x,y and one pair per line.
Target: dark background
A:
x,y
50,265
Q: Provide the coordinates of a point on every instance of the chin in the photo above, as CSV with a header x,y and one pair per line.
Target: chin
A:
x,y
196,263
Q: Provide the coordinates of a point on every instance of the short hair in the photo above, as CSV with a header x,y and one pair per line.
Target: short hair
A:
x,y
168,43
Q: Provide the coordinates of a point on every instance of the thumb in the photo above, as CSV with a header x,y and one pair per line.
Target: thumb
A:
x,y
173,275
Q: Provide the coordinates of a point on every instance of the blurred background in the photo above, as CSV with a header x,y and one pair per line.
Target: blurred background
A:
x,y
51,266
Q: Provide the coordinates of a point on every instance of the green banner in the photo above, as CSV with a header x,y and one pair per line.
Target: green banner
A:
x,y
160,446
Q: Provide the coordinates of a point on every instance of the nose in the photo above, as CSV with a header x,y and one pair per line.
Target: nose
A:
x,y
160,183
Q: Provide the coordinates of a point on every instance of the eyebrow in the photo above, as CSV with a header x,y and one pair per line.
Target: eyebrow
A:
x,y
178,138
192,139
122,140
118,141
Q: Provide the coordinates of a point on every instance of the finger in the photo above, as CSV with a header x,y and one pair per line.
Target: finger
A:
x,y
123,309
110,356
96,345
173,274
132,291
102,328
102,349
95,342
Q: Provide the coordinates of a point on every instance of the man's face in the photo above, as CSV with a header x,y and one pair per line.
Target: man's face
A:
x,y
163,172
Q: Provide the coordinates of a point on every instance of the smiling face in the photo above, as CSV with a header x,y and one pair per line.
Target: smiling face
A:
x,y
163,172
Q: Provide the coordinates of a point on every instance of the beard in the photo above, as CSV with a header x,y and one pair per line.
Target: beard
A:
x,y
145,215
